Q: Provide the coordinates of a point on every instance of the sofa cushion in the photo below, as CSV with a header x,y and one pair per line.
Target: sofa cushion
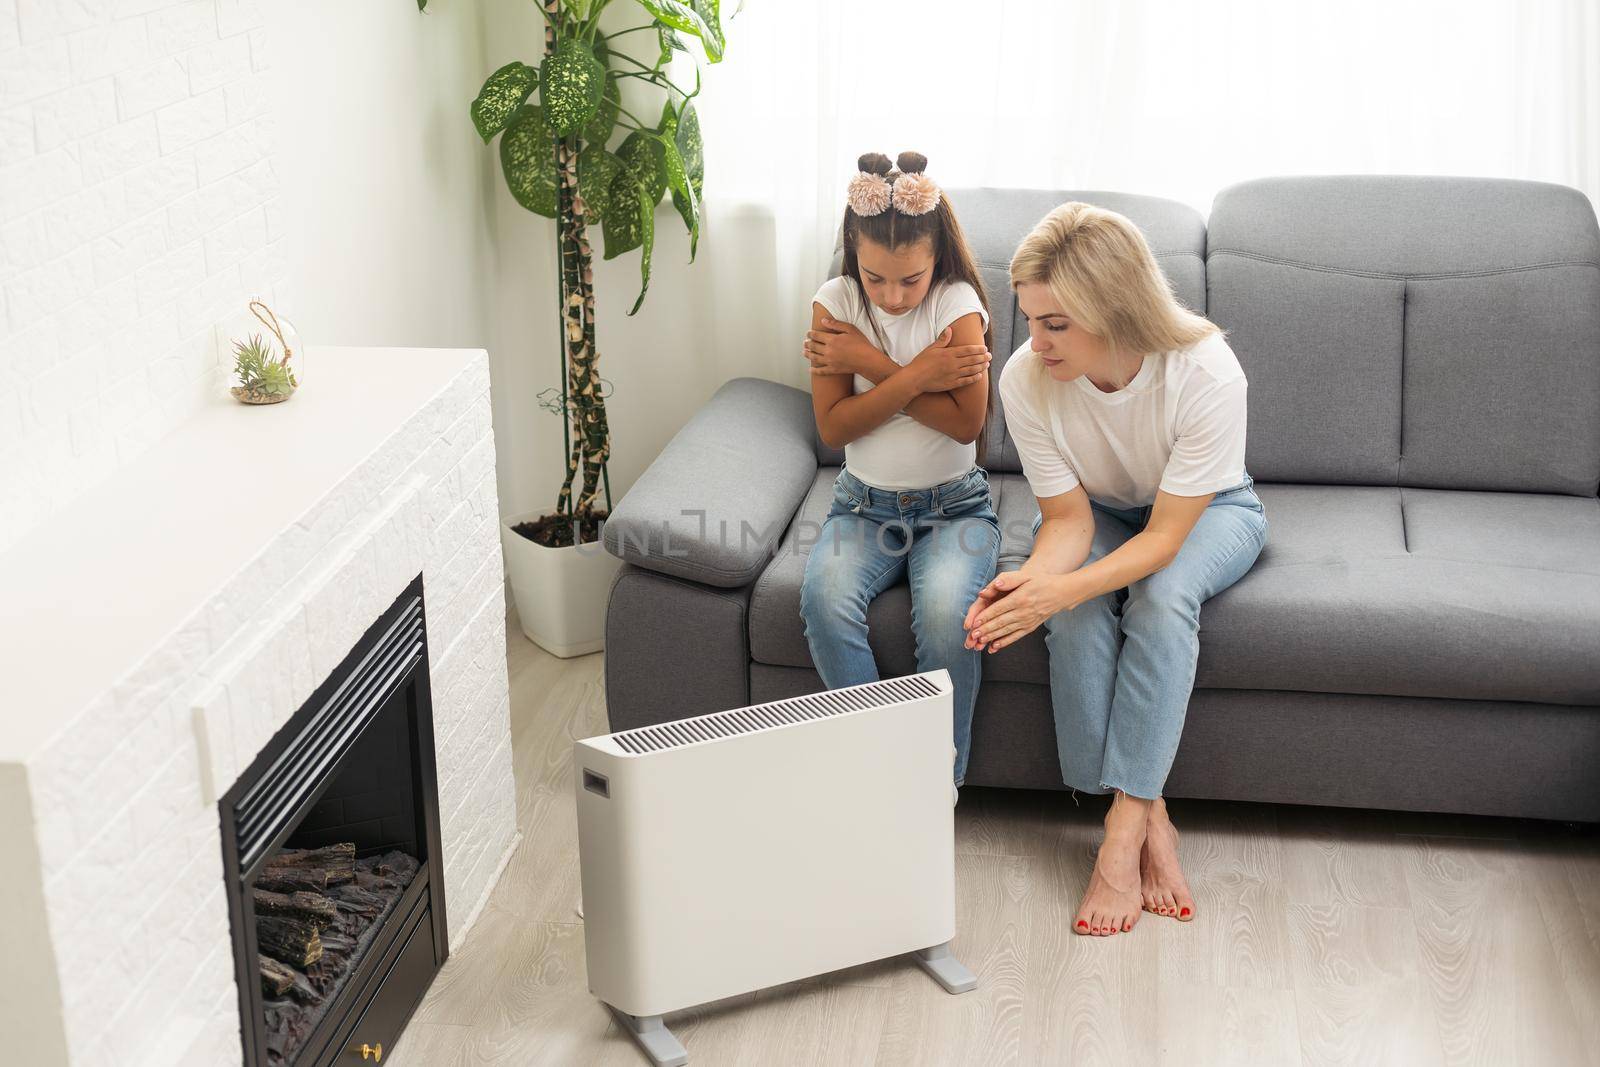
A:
x,y
1414,331
1390,591
1415,592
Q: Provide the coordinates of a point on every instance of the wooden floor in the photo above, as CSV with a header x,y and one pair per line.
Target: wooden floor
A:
x,y
1323,936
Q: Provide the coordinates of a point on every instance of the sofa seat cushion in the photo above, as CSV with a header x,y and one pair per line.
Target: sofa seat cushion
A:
x,y
1390,591
1415,592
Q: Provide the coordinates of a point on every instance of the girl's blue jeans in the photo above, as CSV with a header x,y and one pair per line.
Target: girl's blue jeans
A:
x,y
945,539
1122,665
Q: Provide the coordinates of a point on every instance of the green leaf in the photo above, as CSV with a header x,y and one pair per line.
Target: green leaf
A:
x,y
645,159
579,8
692,151
503,92
683,194
571,86
598,131
597,170
712,17
691,20
422,5
528,159
621,227
670,42
647,232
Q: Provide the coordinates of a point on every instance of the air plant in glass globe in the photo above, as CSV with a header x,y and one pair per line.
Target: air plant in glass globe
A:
x,y
263,371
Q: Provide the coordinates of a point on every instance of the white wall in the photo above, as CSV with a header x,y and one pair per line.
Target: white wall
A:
x,y
138,209
384,180
144,145
156,172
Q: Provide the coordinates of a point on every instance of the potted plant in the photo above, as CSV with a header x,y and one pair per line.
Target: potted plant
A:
x,y
556,122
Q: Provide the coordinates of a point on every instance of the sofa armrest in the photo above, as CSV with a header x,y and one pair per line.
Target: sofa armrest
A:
x,y
715,503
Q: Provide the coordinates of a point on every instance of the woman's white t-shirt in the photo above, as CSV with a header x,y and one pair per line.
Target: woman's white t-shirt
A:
x,y
903,453
1178,427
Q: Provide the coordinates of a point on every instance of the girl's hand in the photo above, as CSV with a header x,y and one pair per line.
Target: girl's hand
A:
x,y
943,366
1013,606
839,348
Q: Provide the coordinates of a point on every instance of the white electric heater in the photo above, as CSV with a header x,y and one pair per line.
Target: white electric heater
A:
x,y
748,848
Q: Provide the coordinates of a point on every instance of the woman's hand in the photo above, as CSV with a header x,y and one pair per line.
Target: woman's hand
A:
x,y
840,348
942,367
1013,606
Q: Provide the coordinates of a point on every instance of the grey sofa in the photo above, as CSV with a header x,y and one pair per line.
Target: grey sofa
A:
x,y
1422,631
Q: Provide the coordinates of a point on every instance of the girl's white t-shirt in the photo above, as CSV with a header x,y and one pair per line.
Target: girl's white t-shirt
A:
x,y
1178,427
903,453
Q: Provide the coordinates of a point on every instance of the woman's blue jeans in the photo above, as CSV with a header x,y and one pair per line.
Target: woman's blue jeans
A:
x,y
1122,665
945,538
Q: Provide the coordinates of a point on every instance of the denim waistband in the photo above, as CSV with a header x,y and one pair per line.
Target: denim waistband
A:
x,y
871,494
1219,497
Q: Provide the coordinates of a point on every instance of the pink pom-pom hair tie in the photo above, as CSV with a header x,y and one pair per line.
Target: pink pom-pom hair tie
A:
x,y
868,194
915,194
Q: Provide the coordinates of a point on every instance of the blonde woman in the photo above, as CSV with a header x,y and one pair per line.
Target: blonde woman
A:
x,y
1129,415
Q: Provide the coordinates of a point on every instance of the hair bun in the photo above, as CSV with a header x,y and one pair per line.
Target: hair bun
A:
x,y
875,163
912,162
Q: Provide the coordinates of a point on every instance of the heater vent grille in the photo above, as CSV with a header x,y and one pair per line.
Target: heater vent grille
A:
x,y
777,714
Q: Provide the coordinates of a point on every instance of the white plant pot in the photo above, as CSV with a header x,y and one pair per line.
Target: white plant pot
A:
x,y
560,593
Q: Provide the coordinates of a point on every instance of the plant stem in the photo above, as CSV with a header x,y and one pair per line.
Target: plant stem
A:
x,y
654,78
592,24
549,8
635,118
561,349
619,33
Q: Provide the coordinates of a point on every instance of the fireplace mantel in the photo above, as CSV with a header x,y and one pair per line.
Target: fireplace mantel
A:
x,y
161,628
95,589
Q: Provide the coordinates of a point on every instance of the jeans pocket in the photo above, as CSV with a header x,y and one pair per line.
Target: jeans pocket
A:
x,y
967,505
964,495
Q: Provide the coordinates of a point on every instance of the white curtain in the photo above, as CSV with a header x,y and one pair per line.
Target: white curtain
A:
x,y
1171,99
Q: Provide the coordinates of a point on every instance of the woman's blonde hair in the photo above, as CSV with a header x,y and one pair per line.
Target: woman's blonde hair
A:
x,y
1101,272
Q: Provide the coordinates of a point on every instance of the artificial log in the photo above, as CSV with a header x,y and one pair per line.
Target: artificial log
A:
x,y
339,861
276,978
292,880
313,907
294,941
359,906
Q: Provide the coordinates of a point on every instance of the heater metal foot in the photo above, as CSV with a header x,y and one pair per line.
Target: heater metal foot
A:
x,y
654,1038
946,969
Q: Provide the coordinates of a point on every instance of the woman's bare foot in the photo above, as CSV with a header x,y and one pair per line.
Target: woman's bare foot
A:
x,y
1111,904
1162,885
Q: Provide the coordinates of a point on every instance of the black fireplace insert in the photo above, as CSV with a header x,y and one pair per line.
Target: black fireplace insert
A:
x,y
330,844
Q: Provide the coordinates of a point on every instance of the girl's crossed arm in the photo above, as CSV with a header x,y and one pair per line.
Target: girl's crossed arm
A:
x,y
946,387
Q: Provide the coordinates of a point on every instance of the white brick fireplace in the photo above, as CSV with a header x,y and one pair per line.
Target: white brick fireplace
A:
x,y
158,631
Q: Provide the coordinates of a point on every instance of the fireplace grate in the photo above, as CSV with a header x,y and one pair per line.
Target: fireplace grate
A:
x,y
270,806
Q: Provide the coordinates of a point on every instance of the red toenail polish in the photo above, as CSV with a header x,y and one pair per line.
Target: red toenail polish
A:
x,y
1082,925
1184,913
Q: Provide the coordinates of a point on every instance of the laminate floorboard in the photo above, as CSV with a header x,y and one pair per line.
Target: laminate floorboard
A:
x,y
1322,936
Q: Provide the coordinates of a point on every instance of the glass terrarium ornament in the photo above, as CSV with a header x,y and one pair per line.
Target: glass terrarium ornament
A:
x,y
264,373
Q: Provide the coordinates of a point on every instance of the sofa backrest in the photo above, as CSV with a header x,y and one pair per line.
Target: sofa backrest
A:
x,y
1413,331
996,220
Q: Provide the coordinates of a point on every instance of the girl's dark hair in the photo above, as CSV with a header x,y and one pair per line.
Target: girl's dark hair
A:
x,y
952,259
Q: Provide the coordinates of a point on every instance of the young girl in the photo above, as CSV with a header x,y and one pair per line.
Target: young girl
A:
x,y
899,353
